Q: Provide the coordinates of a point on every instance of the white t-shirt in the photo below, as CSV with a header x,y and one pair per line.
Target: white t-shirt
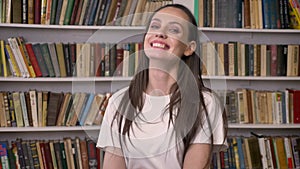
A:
x,y
152,142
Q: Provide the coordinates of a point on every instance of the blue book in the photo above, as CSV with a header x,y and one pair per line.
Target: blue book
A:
x,y
86,108
240,143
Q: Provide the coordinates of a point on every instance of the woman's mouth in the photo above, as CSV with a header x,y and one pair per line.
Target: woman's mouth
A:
x,y
160,45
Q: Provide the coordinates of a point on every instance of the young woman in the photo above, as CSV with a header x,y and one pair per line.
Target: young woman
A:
x,y
166,118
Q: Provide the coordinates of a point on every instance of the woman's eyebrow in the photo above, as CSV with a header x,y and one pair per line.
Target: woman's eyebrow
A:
x,y
156,19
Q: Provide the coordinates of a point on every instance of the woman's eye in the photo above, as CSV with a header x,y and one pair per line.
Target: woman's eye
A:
x,y
174,30
154,26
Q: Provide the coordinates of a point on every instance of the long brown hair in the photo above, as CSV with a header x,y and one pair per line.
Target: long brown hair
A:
x,y
191,109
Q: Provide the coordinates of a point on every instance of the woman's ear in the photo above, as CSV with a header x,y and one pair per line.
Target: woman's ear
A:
x,y
190,49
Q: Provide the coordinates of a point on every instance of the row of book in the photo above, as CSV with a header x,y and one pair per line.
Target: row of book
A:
x,y
67,153
240,59
254,14
25,59
263,106
45,108
79,12
259,152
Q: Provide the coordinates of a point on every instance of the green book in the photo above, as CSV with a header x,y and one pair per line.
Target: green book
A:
x,y
69,12
47,58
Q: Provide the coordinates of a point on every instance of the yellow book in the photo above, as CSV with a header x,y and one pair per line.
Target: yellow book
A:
x,y
25,56
5,72
15,69
294,14
18,109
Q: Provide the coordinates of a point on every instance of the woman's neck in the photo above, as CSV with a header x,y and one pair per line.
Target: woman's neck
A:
x,y
160,82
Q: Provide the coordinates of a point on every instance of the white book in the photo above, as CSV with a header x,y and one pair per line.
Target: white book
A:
x,y
19,57
262,149
24,109
33,103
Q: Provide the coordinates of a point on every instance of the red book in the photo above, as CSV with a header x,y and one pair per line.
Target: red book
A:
x,y
273,49
296,102
37,11
75,11
33,60
48,157
119,60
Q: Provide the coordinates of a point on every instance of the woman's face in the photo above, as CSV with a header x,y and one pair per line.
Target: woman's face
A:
x,y
167,35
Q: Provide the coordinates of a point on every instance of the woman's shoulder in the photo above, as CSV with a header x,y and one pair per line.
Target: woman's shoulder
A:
x,y
118,95
210,98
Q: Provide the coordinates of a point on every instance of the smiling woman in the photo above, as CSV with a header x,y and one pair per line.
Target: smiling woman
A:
x,y
166,118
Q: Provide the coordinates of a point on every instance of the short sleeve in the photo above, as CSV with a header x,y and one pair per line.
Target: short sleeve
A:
x,y
215,117
109,135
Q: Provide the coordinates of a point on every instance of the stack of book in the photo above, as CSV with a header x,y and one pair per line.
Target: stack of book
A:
x,y
240,59
249,106
45,108
254,14
79,12
259,152
66,153
25,59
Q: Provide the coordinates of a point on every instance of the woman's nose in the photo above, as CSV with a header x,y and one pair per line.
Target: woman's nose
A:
x,y
161,35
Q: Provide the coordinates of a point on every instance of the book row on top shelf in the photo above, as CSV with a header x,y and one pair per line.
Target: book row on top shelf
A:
x,y
255,14
79,12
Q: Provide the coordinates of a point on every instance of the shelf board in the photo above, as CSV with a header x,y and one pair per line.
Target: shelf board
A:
x,y
242,30
111,79
264,126
77,27
49,129
64,79
204,29
97,128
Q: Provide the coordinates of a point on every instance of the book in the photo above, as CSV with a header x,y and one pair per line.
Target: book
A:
x,y
47,59
86,109
69,11
60,121
24,109
11,108
43,11
48,9
94,109
18,109
3,59
25,56
41,61
92,154
75,11
30,12
3,118
12,60
4,146
53,12
63,12
18,56
61,59
53,155
37,11
54,59
33,60
54,104
25,153
16,14
84,153
34,153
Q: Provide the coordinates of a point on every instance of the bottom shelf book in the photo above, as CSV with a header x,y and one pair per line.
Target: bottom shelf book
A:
x,y
259,152
67,153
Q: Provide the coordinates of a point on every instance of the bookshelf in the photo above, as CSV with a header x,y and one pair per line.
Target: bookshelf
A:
x,y
111,34
103,84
